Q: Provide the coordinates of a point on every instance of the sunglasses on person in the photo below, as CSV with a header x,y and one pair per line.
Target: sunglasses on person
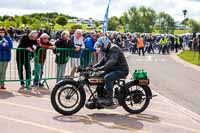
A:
x,y
2,32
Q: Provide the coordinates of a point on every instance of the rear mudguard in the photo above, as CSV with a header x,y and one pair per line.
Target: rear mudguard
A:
x,y
135,82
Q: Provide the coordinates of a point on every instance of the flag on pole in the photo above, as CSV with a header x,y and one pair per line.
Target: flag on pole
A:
x,y
105,23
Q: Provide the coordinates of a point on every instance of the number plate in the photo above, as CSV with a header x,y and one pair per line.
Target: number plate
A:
x,y
144,82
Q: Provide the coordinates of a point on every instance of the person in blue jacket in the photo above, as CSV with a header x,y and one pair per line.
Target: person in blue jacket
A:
x,y
90,41
5,55
88,53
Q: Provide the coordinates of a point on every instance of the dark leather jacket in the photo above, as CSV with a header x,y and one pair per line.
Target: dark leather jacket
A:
x,y
114,60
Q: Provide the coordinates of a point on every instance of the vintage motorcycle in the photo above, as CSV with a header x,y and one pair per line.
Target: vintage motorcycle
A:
x,y
69,95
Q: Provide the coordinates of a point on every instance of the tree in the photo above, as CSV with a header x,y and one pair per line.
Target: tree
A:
x,y
8,24
61,20
148,18
113,23
24,20
36,24
134,20
5,17
194,25
166,23
74,27
97,24
124,21
35,20
18,21
139,20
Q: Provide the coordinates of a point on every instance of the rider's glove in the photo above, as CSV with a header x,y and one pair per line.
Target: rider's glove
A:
x,y
98,69
88,68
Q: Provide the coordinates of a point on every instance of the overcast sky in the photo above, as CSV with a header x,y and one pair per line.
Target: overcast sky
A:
x,y
96,8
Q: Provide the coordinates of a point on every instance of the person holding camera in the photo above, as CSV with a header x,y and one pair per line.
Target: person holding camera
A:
x,y
43,43
78,44
5,55
24,55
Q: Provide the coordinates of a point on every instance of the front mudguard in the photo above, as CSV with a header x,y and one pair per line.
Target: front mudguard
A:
x,y
72,82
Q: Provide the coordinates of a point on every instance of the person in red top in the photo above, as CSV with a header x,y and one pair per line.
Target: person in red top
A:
x,y
41,51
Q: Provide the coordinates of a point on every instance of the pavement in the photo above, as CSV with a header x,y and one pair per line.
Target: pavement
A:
x,y
174,110
30,112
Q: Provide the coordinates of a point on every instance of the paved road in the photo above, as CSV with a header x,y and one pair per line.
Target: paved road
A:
x,y
171,79
33,113
30,113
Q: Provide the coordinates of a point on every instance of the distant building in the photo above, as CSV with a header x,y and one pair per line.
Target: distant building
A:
x,y
179,26
90,22
71,20
81,21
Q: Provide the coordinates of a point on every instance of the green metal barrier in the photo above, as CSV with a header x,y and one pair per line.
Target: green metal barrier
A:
x,y
52,65
43,65
20,59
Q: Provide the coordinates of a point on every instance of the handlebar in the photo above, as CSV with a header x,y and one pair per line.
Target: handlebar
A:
x,y
82,69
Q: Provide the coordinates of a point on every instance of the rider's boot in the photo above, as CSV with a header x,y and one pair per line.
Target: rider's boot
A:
x,y
90,105
107,100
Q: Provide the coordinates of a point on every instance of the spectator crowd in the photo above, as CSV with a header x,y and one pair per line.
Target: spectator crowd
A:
x,y
84,52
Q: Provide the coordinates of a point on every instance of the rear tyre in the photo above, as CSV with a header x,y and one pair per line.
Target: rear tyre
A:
x,y
136,99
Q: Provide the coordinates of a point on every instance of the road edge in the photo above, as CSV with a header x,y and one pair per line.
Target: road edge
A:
x,y
179,107
185,63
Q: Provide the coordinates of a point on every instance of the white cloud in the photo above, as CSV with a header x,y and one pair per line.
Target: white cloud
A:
x,y
96,8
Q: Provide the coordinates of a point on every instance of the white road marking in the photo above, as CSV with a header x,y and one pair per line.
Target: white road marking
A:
x,y
180,108
34,124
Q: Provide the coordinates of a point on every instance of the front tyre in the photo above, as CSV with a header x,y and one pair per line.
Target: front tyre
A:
x,y
67,97
136,98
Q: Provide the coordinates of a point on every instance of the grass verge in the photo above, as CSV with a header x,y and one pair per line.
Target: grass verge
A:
x,y
190,56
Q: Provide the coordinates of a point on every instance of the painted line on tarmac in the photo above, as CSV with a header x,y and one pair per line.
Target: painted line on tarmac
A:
x,y
116,125
193,116
40,90
91,119
114,112
109,111
163,123
27,95
46,99
158,102
34,124
166,113
153,110
180,108
182,127
26,106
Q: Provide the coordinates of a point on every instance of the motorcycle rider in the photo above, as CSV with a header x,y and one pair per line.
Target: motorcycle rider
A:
x,y
113,65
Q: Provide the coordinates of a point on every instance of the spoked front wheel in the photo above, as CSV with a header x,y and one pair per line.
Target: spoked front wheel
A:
x,y
67,98
137,98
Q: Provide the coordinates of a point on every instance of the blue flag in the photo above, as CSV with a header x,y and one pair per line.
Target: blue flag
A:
x,y
105,23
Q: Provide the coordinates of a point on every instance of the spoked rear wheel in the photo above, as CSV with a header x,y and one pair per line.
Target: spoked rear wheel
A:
x,y
137,98
67,98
